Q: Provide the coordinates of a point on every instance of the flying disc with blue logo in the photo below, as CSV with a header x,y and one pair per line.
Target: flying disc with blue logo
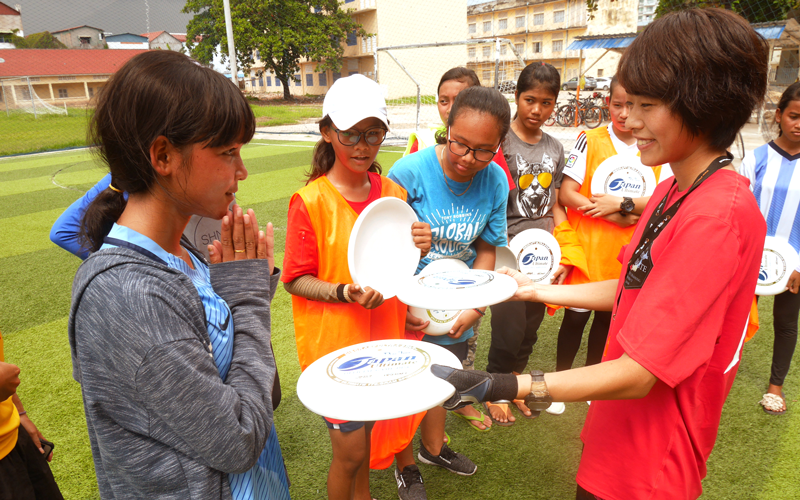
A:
x,y
778,260
440,322
457,289
624,175
376,380
537,254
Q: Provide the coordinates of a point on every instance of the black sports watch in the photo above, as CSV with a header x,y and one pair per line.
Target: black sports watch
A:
x,y
627,205
539,398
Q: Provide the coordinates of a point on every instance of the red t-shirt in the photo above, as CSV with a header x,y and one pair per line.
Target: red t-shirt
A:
x,y
686,326
300,256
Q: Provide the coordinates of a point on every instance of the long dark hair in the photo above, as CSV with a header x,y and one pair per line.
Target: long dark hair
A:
x,y
537,75
460,74
792,93
324,155
483,100
157,93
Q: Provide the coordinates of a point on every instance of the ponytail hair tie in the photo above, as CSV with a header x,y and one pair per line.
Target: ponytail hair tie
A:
x,y
111,187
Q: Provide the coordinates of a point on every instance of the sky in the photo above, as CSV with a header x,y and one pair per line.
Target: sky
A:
x,y
113,16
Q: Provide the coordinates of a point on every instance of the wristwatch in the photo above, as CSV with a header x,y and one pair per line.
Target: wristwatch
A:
x,y
626,206
539,398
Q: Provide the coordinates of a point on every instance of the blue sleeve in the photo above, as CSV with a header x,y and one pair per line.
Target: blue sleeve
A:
x,y
496,230
66,228
403,173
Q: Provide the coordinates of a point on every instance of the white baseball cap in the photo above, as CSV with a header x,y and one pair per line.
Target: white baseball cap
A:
x,y
352,99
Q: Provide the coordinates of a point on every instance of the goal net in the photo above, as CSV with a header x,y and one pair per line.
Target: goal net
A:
x,y
19,96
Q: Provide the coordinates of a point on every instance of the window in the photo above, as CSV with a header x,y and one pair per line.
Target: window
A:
x,y
558,16
519,48
352,73
487,51
85,40
62,93
269,81
471,52
520,21
536,47
258,54
252,82
599,73
538,19
297,81
351,38
558,45
67,78
503,49
502,24
473,28
261,81
6,38
487,76
336,76
487,26
323,79
277,82
91,92
310,79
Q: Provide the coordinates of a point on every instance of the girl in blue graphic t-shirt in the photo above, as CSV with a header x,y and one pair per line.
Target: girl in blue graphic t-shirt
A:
x,y
461,193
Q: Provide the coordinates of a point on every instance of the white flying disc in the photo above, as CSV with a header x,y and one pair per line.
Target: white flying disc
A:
x,y
457,289
504,257
202,231
376,380
778,261
441,322
537,254
381,252
624,175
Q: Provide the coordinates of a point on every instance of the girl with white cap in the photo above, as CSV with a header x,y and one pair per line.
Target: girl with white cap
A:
x,y
330,311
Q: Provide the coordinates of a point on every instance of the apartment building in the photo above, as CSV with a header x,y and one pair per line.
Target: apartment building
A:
x,y
542,31
389,23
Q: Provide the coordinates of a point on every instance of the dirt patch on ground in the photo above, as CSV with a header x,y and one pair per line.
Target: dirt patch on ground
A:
x,y
278,100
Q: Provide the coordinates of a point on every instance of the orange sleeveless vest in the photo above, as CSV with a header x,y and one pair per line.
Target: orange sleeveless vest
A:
x,y
601,240
322,327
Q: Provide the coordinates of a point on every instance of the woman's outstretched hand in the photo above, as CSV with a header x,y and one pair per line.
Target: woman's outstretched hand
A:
x,y
526,290
241,239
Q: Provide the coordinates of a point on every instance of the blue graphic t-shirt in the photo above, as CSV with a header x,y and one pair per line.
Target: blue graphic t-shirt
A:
x,y
456,221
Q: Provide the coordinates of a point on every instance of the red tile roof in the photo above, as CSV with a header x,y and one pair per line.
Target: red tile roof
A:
x,y
54,62
5,10
152,35
181,37
76,27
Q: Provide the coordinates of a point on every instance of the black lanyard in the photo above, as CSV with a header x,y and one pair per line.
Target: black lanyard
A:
x,y
641,262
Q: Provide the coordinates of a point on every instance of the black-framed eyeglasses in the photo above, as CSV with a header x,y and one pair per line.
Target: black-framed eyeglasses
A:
x,y
463,150
350,137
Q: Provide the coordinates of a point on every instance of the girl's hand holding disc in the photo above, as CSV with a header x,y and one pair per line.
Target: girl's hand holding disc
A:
x,y
421,231
367,298
242,240
466,320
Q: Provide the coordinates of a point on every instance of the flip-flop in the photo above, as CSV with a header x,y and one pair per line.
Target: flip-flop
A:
x,y
769,399
516,406
508,423
469,420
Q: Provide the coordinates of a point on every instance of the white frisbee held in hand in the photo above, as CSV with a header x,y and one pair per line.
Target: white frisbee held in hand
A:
x,y
778,261
504,257
376,380
457,289
624,175
441,322
381,252
537,254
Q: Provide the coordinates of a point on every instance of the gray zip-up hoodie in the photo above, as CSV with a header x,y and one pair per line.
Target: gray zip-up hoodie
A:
x,y
162,424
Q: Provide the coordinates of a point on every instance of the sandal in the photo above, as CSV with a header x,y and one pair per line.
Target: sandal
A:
x,y
530,415
469,420
502,406
773,404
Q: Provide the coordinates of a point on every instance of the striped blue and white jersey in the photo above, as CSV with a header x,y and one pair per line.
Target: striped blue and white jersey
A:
x,y
775,183
267,480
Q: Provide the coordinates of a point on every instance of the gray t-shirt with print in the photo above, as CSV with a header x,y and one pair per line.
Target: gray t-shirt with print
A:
x,y
537,170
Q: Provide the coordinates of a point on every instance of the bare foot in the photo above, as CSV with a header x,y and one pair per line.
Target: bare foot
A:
x,y
523,408
500,412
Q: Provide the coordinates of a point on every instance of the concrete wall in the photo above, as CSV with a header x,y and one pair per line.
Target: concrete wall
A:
x,y
11,23
165,41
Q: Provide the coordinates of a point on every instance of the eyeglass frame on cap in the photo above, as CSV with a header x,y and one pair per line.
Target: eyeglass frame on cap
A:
x,y
474,150
359,134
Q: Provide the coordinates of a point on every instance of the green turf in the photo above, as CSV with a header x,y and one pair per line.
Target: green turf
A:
x,y
756,456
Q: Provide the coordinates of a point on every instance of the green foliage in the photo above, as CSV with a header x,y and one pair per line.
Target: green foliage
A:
x,y
282,31
43,40
591,8
755,11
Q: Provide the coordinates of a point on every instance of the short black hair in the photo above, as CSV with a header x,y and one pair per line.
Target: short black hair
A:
x,y
707,65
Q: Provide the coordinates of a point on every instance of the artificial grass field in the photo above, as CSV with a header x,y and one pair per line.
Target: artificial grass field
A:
x,y
756,456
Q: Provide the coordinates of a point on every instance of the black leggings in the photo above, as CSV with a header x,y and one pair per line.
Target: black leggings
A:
x,y
571,333
514,327
784,322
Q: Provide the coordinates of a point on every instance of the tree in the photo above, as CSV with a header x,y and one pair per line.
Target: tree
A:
x,y
43,40
755,11
282,31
